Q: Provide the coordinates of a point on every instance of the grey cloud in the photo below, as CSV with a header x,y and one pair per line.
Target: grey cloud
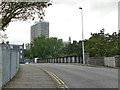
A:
x,y
104,6
66,2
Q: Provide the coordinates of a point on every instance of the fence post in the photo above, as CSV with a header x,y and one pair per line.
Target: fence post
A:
x,y
1,65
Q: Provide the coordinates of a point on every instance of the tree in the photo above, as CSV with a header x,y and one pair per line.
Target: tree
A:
x,y
112,44
46,47
102,45
96,44
74,48
21,11
27,54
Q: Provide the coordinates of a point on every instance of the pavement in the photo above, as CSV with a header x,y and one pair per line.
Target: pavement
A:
x,y
75,76
31,77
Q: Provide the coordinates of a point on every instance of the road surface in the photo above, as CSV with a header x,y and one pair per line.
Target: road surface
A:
x,y
75,76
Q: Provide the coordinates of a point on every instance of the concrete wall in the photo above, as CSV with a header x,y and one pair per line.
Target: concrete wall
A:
x,y
117,61
97,61
10,62
112,61
104,61
109,61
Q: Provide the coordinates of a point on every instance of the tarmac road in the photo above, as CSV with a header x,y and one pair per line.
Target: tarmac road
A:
x,y
76,76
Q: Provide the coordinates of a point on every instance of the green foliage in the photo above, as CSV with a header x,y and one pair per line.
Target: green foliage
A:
x,y
71,49
46,47
102,45
21,11
98,45
27,54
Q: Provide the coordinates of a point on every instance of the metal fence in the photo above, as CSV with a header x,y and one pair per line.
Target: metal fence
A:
x,y
0,66
9,60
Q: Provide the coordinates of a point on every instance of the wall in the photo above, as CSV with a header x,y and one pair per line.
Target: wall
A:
x,y
97,61
112,61
10,62
117,61
109,61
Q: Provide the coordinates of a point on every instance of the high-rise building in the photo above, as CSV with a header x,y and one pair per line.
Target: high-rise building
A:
x,y
40,28
119,16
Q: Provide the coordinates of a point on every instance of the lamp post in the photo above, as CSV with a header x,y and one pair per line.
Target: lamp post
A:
x,y
82,35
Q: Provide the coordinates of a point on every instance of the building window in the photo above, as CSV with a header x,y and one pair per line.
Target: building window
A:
x,y
21,51
11,47
20,47
20,56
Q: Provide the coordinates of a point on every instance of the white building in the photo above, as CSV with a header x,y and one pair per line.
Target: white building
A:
x,y
119,16
40,28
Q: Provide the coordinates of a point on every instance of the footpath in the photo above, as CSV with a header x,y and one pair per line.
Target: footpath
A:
x,y
30,77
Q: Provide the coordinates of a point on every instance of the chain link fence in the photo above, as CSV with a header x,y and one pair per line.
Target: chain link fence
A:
x,y
9,63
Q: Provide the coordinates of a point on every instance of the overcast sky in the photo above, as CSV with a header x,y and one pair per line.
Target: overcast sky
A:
x,y
64,17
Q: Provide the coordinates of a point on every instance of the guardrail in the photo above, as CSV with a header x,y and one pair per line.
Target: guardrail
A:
x,y
9,63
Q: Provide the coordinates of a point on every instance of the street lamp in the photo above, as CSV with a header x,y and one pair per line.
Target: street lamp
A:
x,y
82,35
